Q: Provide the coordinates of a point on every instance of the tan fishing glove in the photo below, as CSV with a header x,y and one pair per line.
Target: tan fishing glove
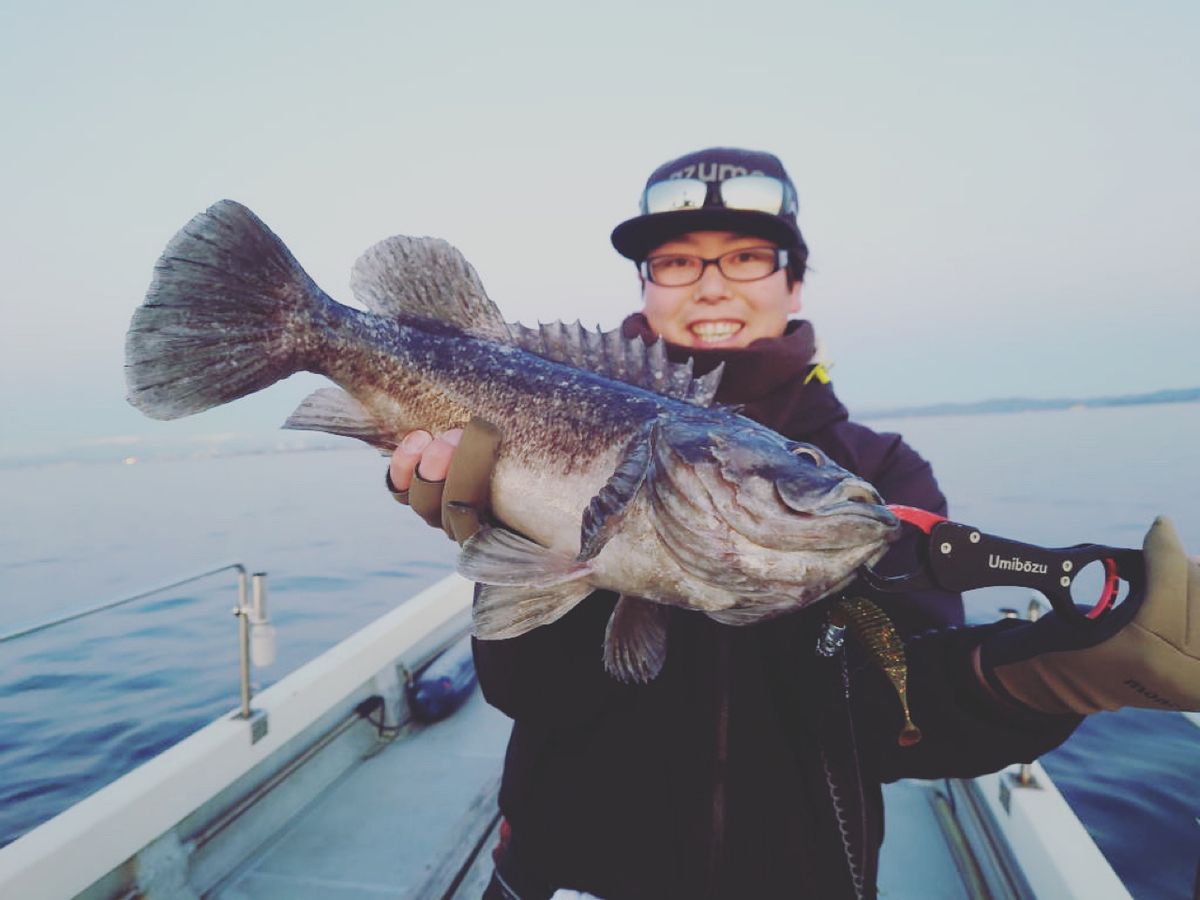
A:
x,y
1143,654
458,503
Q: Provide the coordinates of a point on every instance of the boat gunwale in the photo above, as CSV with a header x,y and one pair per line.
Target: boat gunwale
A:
x,y
107,831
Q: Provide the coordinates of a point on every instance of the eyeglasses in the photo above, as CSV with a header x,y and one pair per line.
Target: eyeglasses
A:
x,y
755,193
680,269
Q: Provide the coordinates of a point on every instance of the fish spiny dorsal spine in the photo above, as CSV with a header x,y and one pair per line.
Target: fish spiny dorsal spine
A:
x,y
611,354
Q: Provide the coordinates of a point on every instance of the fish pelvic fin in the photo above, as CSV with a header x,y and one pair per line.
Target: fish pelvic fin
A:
x,y
334,411
223,316
428,280
635,641
611,354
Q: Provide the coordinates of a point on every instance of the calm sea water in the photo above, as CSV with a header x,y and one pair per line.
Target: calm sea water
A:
x,y
1101,476
83,703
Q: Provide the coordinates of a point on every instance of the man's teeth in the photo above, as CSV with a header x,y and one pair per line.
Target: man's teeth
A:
x,y
716,331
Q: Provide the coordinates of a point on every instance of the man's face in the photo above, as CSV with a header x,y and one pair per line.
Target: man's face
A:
x,y
716,312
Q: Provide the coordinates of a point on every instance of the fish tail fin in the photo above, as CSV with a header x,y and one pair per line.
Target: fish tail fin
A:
x,y
222,317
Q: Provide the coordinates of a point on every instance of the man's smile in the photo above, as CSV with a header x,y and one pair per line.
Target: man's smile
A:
x,y
714,331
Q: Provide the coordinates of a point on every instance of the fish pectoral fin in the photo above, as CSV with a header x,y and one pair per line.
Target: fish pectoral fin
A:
x,y
334,411
507,611
607,509
635,642
497,556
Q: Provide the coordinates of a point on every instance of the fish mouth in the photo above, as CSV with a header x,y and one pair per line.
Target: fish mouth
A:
x,y
715,331
851,498
860,509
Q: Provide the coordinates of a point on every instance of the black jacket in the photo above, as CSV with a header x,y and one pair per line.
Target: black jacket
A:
x,y
751,767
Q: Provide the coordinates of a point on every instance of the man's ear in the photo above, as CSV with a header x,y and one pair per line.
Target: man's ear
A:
x,y
794,290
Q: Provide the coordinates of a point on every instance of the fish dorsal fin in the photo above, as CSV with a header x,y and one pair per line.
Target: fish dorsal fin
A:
x,y
426,278
611,354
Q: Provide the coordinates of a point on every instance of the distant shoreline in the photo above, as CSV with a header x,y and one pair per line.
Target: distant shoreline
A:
x,y
1029,404
134,449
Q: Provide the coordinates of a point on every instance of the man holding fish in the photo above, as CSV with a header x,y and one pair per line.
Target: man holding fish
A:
x,y
706,699
749,762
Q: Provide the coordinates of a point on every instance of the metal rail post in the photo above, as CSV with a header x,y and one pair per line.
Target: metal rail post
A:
x,y
243,615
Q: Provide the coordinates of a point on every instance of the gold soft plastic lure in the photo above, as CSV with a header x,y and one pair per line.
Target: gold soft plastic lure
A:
x,y
873,629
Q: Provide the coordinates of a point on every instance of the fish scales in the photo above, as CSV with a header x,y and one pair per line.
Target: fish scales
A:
x,y
612,473
556,421
563,415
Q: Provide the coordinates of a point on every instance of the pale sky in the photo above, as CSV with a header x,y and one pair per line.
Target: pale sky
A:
x,y
1000,198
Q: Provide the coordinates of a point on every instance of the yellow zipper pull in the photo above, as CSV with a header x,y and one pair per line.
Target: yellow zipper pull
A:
x,y
818,373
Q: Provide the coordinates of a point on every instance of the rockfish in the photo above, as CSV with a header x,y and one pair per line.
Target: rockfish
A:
x,y
615,471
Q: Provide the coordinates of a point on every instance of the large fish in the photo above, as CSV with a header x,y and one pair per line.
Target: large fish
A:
x,y
614,472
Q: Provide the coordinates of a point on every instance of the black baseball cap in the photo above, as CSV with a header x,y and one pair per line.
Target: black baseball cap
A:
x,y
636,237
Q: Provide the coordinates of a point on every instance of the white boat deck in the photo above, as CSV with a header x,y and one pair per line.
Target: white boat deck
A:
x,y
383,829
386,828
916,861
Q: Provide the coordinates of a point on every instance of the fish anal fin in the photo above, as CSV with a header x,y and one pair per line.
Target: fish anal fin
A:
x,y
523,585
506,611
635,642
334,411
497,556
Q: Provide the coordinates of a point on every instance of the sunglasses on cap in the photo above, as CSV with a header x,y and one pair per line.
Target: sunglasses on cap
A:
x,y
752,193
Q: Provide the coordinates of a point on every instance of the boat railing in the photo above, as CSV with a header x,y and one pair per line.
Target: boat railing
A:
x,y
256,635
1033,612
197,811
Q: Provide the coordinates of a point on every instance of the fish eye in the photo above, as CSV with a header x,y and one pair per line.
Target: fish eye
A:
x,y
810,452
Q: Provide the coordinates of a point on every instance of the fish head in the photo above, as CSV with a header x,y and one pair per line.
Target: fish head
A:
x,y
782,494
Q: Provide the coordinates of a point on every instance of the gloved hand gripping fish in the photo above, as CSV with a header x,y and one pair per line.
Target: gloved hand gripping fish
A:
x,y
616,471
